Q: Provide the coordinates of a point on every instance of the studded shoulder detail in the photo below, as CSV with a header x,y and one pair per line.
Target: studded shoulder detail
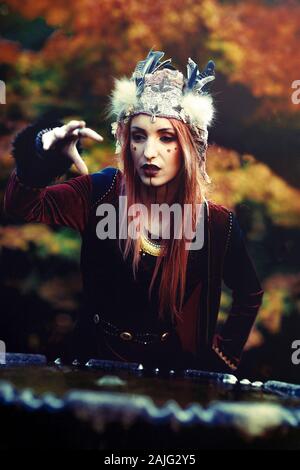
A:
x,y
229,230
103,183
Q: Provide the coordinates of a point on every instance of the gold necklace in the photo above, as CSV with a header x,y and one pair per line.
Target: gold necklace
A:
x,y
153,249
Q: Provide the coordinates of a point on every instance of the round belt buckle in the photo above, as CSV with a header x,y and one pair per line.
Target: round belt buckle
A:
x,y
96,319
164,336
126,336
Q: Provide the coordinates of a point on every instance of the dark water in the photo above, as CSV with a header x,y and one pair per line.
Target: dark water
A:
x,y
139,410
185,390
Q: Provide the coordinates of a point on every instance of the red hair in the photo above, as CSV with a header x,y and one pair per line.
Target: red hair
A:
x,y
192,188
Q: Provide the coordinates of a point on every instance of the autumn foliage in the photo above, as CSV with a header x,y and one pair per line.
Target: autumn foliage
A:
x,y
253,43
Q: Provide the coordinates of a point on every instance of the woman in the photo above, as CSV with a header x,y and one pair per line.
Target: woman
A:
x,y
153,295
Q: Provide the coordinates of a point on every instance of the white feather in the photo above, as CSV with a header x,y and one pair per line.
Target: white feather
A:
x,y
199,108
123,97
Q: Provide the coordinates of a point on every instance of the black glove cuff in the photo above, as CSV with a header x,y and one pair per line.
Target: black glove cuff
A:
x,y
37,167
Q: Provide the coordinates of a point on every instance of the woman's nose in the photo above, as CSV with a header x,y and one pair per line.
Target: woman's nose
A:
x,y
150,150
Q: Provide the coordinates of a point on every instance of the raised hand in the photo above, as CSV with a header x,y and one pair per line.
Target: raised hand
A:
x,y
68,136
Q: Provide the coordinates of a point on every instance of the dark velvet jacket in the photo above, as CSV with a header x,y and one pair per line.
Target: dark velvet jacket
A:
x,y
111,293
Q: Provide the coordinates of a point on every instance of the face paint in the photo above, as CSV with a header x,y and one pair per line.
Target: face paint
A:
x,y
155,158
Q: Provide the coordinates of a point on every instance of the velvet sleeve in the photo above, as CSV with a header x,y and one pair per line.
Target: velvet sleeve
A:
x,y
66,204
240,276
28,195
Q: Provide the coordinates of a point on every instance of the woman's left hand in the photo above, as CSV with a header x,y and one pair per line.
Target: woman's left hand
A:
x,y
67,136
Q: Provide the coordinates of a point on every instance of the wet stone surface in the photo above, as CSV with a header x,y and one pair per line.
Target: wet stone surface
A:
x,y
184,404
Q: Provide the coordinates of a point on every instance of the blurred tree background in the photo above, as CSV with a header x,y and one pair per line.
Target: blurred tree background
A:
x,y
59,59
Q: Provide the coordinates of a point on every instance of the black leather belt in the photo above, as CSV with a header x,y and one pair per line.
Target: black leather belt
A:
x,y
130,336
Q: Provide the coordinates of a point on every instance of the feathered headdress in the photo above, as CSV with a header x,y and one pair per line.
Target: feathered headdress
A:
x,y
156,88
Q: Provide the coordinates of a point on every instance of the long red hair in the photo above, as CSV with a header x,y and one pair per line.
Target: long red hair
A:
x,y
192,190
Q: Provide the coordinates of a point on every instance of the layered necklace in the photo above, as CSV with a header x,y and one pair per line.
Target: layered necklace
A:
x,y
151,248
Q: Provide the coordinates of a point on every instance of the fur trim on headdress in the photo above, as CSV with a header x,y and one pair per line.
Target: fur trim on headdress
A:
x,y
200,109
124,97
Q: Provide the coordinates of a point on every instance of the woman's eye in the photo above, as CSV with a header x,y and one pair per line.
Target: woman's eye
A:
x,y
137,137
167,139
